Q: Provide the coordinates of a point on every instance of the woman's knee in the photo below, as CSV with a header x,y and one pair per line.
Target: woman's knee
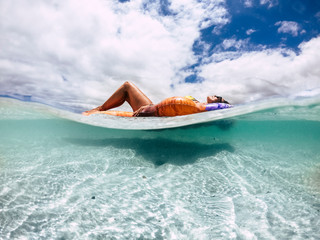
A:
x,y
128,84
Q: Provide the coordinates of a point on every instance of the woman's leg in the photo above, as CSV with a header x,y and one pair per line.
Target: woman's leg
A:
x,y
127,92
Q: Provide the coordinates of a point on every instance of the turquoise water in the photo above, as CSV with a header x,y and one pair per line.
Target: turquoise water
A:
x,y
253,173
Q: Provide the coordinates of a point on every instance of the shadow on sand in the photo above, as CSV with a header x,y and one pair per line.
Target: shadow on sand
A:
x,y
160,150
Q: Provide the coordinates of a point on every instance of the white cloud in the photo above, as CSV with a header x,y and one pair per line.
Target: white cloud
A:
x,y
250,31
234,43
230,48
80,51
217,29
270,3
261,74
289,27
248,3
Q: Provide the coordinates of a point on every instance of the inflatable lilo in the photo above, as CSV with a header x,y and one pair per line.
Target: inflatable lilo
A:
x,y
143,107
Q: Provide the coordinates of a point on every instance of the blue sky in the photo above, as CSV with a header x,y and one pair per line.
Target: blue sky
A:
x,y
76,53
256,25
266,19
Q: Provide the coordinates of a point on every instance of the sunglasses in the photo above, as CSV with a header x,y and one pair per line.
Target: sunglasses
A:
x,y
220,99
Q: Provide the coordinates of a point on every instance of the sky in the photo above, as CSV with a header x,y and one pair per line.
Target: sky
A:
x,y
76,53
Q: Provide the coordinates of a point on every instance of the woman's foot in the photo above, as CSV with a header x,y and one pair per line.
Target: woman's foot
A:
x,y
92,111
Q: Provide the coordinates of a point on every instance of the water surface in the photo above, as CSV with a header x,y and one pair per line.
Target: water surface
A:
x,y
253,173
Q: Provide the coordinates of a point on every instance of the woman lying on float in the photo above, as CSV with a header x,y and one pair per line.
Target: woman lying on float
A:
x,y
142,106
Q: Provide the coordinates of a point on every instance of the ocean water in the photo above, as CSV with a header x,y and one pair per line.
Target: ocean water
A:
x,y
250,172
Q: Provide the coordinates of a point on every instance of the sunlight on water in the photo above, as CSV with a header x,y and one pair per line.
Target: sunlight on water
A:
x,y
253,175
